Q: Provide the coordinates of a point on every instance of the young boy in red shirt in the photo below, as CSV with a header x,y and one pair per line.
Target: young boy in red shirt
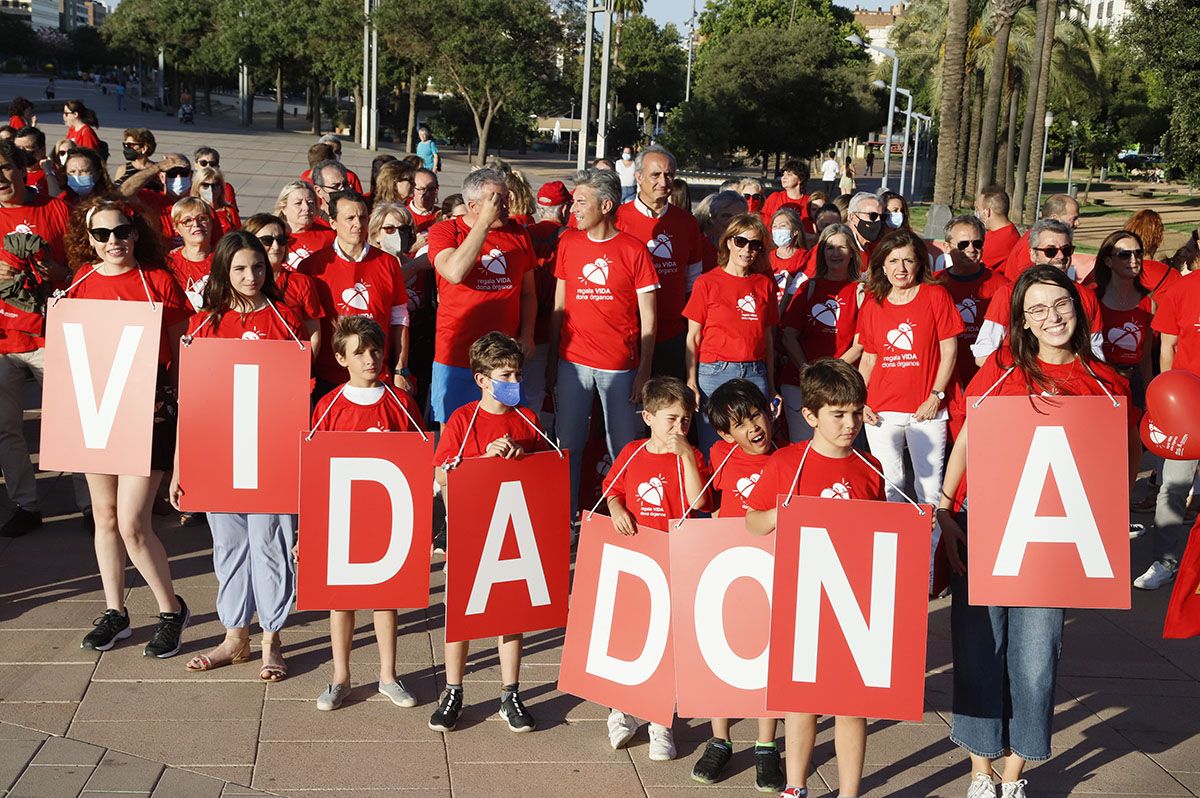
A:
x,y
652,482
494,426
827,466
363,404
739,413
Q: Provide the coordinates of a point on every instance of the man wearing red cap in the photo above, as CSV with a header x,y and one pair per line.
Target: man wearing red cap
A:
x,y
553,205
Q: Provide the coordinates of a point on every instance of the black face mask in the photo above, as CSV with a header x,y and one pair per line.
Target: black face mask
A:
x,y
870,231
130,153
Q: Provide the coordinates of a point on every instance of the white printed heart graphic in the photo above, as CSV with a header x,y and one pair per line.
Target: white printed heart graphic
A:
x,y
596,272
747,304
826,313
1126,337
356,296
651,491
251,335
376,429
23,227
660,246
494,261
838,490
195,292
295,256
901,337
745,485
968,309
1156,435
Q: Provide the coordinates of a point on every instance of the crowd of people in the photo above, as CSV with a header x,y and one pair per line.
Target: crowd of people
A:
x,y
604,318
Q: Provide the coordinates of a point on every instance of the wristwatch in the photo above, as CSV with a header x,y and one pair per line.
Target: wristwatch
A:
x,y
939,394
404,372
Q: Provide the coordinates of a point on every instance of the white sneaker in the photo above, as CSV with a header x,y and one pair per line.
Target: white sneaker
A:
x,y
662,743
1159,574
1136,530
1013,789
621,728
981,787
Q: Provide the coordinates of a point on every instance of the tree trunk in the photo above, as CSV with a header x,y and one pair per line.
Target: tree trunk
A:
x,y
356,123
1087,190
412,108
1039,119
315,105
951,104
207,94
1027,129
964,136
1001,27
1010,148
482,131
972,184
279,97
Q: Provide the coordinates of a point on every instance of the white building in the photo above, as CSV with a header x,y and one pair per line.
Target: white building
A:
x,y
878,23
1105,13
45,14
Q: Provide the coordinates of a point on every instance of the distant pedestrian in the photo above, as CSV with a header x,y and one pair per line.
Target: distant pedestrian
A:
x,y
427,149
50,89
870,162
846,184
829,174
121,96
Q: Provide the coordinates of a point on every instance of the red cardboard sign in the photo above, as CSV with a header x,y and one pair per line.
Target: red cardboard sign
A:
x,y
366,511
850,609
618,647
508,525
721,615
1048,491
242,405
98,392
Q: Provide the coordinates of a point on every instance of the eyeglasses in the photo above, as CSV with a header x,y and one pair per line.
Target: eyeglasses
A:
x,y
741,242
870,216
132,144
269,241
976,243
178,171
389,229
336,187
194,221
1052,252
422,190
1128,254
121,231
749,197
1064,307
213,164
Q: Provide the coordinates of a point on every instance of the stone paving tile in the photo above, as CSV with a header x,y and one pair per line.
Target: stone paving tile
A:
x,y
538,780
195,743
176,783
366,715
231,774
33,646
14,756
66,682
118,772
61,751
490,741
327,765
51,781
49,718
171,701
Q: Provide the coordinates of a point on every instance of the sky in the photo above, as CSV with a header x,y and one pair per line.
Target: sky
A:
x,y
678,11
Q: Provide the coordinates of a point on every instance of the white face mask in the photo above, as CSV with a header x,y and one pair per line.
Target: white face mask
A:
x,y
625,156
206,194
392,244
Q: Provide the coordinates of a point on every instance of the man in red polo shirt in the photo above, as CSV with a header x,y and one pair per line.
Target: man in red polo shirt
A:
x,y
991,206
424,202
1057,206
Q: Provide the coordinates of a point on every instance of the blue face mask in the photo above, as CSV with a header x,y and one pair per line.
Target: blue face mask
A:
x,y
781,236
895,219
179,185
82,185
507,393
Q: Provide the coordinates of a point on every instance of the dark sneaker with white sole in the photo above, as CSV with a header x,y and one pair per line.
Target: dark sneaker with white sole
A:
x,y
716,756
168,634
445,717
768,770
514,712
109,628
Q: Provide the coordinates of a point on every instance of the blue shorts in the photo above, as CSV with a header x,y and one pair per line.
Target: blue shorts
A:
x,y
450,387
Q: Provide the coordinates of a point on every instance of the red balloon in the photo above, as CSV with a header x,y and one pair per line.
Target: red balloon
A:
x,y
1173,398
1167,444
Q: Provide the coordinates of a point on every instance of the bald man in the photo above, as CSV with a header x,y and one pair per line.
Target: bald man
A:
x,y
1057,206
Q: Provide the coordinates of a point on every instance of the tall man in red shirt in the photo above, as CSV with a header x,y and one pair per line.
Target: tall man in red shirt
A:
x,y
675,243
991,206
1061,207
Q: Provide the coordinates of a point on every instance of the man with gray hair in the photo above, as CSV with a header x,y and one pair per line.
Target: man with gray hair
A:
x,y
603,325
484,263
1059,207
329,177
1050,245
675,243
972,286
864,214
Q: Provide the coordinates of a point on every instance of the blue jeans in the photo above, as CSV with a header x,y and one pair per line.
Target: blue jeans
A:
x,y
628,193
710,377
577,385
1005,666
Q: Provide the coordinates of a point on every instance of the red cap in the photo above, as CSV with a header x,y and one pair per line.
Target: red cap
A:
x,y
553,193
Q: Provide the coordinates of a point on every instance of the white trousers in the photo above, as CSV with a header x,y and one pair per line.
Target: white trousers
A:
x,y
926,444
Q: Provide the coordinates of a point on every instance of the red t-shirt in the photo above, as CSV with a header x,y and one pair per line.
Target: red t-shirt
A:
x,y
972,296
489,297
84,137
998,243
263,324
544,235
1018,258
651,485
371,287
826,314
784,269
128,287
35,178
485,428
1179,314
601,325
734,314
231,198
47,217
674,242
825,477
192,275
227,219
736,479
422,220
299,292
351,179
780,199
16,122
304,243
906,340
1126,333
378,411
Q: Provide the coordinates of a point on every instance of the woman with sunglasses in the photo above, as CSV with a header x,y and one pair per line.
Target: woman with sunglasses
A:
x,y
191,261
1006,658
209,185
79,120
731,316
752,192
908,327
297,291
307,234
117,254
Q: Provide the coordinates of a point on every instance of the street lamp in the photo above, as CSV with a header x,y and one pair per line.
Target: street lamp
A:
x,y
1071,158
908,115
887,152
658,113
912,181
1042,174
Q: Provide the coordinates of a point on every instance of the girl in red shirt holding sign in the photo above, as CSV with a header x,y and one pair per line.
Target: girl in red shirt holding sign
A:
x,y
119,255
252,552
909,329
1005,658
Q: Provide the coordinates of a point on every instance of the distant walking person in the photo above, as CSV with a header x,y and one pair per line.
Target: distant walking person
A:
x,y
870,162
829,174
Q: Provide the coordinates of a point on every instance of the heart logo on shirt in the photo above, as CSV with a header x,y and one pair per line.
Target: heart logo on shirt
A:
x,y
23,227
377,429
494,261
745,485
651,491
251,335
968,309
1156,435
295,256
356,296
827,312
747,304
660,246
596,272
838,490
1126,337
901,337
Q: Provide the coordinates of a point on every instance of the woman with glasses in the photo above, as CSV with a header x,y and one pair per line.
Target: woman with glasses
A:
x,y
307,234
1006,658
752,192
80,121
117,254
731,316
299,291
208,157
191,261
209,185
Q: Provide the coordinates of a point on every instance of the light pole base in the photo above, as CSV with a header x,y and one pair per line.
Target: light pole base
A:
x,y
935,223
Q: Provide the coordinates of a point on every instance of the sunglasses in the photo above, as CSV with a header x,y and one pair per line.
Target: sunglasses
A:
x,y
269,241
741,242
977,243
1128,254
121,231
213,164
178,172
870,216
749,197
1052,252
389,229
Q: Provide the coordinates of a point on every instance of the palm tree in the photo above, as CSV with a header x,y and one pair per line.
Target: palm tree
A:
x,y
1029,209
953,73
1027,129
624,9
1003,12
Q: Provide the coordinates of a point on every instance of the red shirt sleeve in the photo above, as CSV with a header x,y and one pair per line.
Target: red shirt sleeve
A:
x,y
1166,319
866,326
452,437
696,308
442,236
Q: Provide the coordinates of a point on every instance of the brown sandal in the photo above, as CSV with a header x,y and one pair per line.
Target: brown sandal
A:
x,y
204,662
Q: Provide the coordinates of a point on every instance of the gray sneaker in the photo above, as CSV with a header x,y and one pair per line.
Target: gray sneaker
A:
x,y
400,697
1013,789
981,787
332,697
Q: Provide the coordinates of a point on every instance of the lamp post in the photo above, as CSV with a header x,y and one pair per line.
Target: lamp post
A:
x,y
1042,172
908,115
912,182
1071,158
606,51
887,152
658,114
687,86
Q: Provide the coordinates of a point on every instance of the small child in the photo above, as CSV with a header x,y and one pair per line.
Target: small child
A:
x,y
828,465
494,426
363,404
739,413
653,481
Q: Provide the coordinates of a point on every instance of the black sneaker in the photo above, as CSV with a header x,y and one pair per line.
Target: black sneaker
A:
x,y
518,717
22,521
445,717
168,632
768,772
439,525
714,759
439,542
109,628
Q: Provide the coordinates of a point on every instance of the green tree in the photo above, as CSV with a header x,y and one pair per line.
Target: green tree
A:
x,y
1003,13
722,18
18,37
406,35
654,66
